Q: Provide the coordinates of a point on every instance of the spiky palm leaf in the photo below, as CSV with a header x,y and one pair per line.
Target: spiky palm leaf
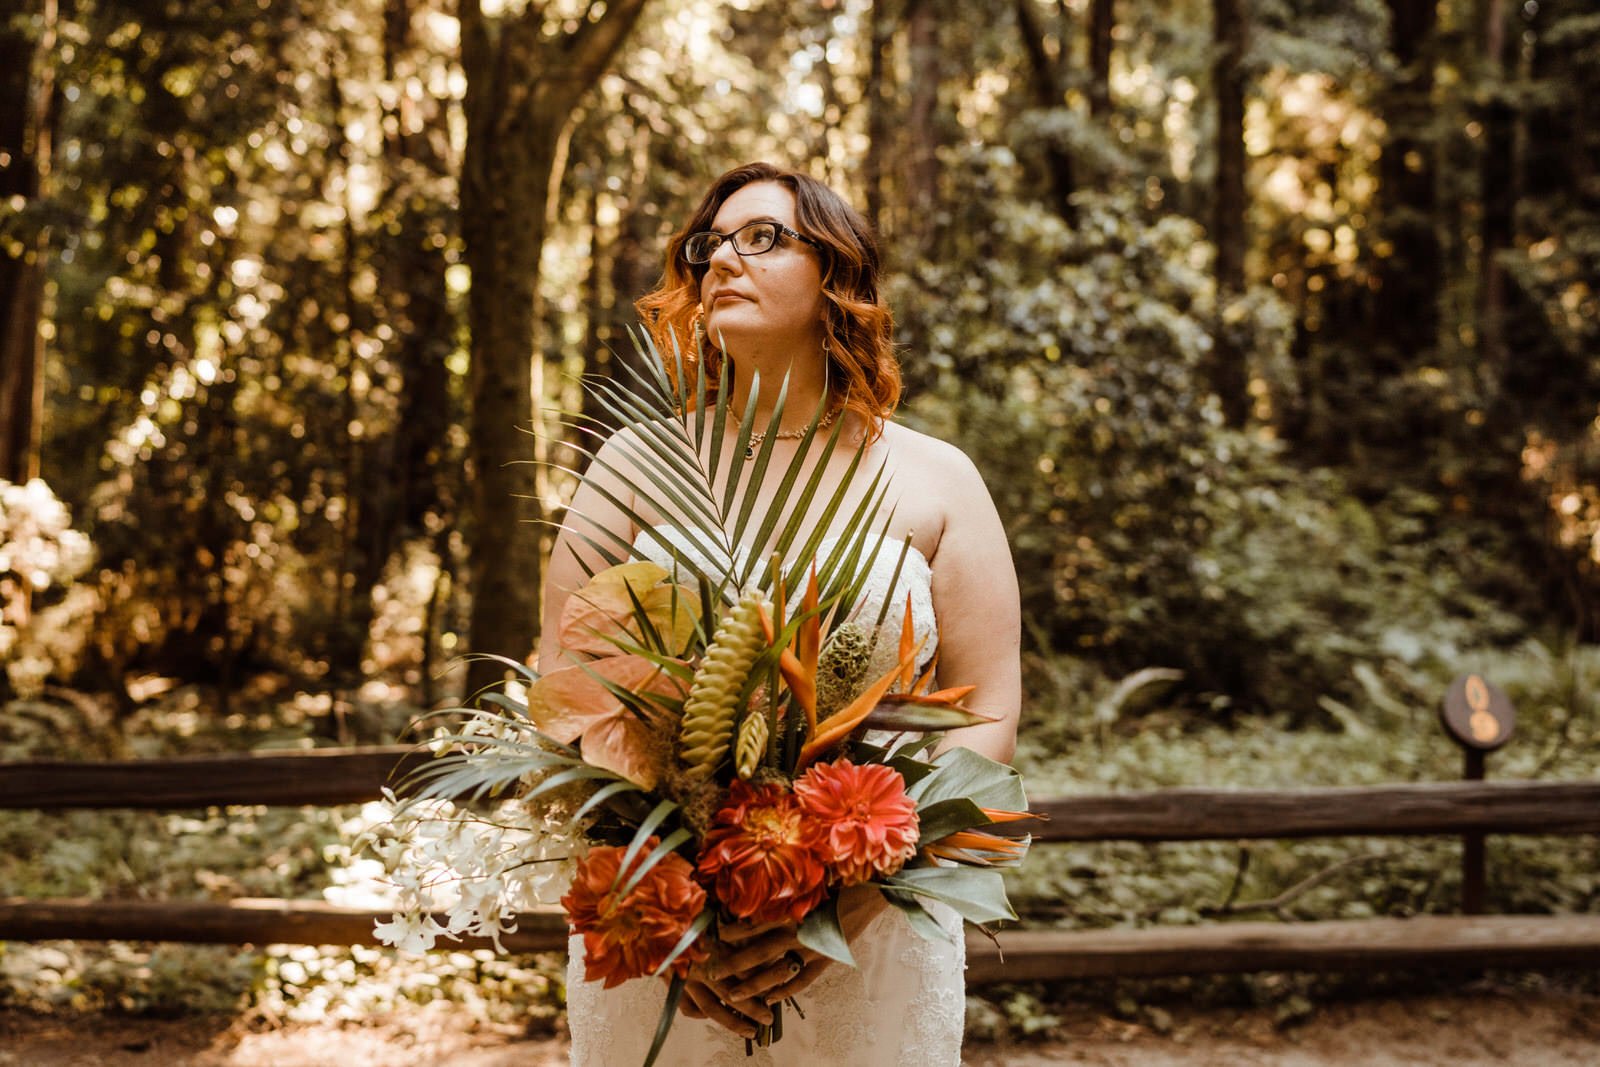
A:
x,y
671,463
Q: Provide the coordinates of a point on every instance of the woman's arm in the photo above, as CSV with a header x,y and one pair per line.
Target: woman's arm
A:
x,y
976,601
592,516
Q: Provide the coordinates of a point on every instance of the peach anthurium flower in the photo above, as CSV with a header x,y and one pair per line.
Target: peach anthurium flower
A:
x,y
603,611
759,856
631,936
573,705
866,825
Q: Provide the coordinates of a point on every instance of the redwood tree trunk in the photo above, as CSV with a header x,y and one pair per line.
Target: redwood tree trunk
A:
x,y
522,90
27,116
1047,93
879,38
1229,375
922,122
1499,195
1407,300
1102,20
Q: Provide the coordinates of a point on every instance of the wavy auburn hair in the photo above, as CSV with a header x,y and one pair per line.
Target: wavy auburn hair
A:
x,y
863,373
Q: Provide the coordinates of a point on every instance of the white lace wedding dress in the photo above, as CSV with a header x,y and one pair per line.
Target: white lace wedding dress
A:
x,y
906,1002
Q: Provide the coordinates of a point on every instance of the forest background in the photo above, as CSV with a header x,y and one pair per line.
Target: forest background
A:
x,y
1272,325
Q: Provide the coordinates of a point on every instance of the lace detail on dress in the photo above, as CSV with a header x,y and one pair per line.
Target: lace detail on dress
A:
x,y
936,1017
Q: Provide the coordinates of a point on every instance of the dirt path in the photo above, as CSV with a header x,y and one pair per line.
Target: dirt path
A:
x,y
1548,1030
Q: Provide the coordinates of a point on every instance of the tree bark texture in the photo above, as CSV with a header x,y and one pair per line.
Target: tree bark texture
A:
x,y
1102,20
27,116
522,91
879,40
922,120
1229,374
1410,275
1498,192
1048,94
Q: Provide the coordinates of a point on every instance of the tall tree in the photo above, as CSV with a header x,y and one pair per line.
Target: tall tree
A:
x,y
876,90
922,122
1049,93
525,78
1229,374
1102,21
1409,268
1498,191
27,93
414,378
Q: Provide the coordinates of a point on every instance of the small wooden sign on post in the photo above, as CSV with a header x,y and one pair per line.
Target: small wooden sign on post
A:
x,y
1479,717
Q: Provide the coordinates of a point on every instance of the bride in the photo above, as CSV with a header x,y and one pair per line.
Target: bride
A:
x,y
777,274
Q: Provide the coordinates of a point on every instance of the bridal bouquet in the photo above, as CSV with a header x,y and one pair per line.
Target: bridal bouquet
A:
x,y
701,760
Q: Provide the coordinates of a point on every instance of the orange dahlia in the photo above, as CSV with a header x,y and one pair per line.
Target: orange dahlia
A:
x,y
630,936
866,824
758,856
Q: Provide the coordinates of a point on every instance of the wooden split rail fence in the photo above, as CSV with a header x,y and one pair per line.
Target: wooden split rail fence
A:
x,y
347,776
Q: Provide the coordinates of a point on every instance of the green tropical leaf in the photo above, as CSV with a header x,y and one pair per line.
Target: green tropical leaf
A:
x,y
899,717
979,895
671,842
603,795
657,815
669,1011
916,914
945,817
676,468
961,772
690,936
821,932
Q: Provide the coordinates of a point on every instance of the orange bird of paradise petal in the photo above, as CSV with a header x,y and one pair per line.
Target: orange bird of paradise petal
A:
x,y
838,726
908,648
802,683
977,848
1001,815
808,642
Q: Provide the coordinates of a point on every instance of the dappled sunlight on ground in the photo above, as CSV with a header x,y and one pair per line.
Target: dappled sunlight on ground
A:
x,y
1487,1029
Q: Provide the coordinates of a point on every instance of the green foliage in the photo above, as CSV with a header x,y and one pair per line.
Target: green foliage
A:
x,y
41,557
1389,733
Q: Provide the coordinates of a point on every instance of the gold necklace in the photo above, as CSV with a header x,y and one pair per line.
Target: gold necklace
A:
x,y
786,435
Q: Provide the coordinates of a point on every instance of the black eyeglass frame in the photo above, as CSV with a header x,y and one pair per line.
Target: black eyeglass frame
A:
x,y
733,238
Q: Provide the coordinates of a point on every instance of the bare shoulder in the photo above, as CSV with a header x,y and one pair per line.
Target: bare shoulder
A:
x,y
930,460
939,489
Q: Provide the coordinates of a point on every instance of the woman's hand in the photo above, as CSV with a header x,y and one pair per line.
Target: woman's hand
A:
x,y
768,964
704,998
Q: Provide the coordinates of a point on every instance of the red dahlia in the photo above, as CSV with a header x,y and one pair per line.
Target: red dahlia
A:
x,y
866,824
758,856
629,936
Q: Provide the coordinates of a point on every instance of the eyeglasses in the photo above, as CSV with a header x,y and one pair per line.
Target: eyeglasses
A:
x,y
751,239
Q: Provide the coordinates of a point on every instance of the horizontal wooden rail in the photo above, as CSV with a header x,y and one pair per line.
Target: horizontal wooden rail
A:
x,y
246,921
344,776
1477,941
1504,807
1509,941
318,777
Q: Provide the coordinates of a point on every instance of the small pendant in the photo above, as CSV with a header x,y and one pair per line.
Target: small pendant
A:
x,y
750,451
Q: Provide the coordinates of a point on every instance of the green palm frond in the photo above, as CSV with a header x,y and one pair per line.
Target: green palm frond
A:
x,y
670,463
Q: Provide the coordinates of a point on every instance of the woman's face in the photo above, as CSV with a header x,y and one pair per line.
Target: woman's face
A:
x,y
774,298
